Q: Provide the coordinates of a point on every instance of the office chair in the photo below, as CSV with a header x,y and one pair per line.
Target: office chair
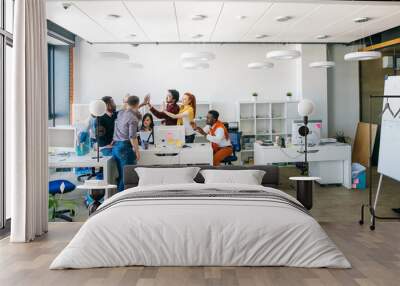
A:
x,y
235,138
58,187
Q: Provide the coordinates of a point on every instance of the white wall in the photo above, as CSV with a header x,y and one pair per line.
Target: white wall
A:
x,y
225,82
312,82
343,93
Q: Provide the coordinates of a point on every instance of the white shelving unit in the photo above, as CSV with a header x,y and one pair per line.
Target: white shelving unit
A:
x,y
259,120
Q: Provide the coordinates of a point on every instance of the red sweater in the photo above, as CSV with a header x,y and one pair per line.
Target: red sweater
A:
x,y
171,107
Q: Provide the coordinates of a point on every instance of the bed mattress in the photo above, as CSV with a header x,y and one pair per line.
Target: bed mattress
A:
x,y
201,225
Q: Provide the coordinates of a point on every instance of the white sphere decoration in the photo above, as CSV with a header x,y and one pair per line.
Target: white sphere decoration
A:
x,y
305,107
97,108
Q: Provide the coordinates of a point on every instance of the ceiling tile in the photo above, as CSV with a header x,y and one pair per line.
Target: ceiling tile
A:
x,y
122,28
77,22
157,18
188,27
230,27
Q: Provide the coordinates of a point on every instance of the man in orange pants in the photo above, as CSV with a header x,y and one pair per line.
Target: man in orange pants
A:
x,y
218,135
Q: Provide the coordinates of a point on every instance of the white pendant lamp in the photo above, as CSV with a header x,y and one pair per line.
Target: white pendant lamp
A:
x,y
260,65
197,56
283,54
195,65
322,64
362,56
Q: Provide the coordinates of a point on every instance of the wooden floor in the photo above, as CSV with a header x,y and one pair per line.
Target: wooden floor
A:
x,y
375,257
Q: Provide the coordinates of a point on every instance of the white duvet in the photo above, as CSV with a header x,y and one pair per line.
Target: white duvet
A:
x,y
200,231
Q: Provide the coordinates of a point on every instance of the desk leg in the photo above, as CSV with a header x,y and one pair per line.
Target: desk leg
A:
x,y
305,193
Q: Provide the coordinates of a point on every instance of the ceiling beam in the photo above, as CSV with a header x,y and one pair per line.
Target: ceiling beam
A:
x,y
382,45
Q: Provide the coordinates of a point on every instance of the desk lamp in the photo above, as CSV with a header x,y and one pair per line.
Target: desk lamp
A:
x,y
305,108
97,108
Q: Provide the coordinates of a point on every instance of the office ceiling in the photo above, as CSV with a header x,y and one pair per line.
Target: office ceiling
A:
x,y
225,21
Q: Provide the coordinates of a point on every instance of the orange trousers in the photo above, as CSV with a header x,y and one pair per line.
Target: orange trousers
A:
x,y
220,154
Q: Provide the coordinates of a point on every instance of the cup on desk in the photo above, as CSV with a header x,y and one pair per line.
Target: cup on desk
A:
x,y
145,145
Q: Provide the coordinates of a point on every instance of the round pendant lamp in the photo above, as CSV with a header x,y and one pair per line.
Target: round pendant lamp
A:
x,y
197,56
195,65
283,54
362,56
322,64
260,65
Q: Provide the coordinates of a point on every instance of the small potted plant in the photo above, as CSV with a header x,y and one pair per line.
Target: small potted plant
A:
x,y
255,94
289,96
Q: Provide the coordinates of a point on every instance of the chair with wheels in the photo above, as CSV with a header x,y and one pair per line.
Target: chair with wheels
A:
x,y
56,189
235,137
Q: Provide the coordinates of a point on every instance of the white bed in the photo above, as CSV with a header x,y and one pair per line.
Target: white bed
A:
x,y
185,230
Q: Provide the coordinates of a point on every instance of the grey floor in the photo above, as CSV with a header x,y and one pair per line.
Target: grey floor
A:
x,y
331,203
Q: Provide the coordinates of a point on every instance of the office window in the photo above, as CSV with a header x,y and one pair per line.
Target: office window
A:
x,y
59,101
6,28
9,20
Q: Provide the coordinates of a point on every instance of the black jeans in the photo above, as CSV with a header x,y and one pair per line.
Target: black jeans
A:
x,y
190,138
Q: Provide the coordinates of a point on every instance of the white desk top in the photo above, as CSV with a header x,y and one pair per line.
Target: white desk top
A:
x,y
304,178
71,160
174,149
336,144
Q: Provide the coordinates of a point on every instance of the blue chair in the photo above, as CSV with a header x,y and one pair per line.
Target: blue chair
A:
x,y
58,187
235,138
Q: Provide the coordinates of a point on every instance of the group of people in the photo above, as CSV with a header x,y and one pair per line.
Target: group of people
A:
x,y
118,131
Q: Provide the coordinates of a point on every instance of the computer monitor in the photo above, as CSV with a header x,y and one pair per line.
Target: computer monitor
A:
x,y
169,135
313,136
62,138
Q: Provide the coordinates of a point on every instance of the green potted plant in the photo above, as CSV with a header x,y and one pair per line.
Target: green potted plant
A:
x,y
255,94
289,96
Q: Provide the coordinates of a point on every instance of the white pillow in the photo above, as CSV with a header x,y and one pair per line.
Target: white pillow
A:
x,y
248,177
166,176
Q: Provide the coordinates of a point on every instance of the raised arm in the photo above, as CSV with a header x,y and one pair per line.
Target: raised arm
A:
x,y
177,116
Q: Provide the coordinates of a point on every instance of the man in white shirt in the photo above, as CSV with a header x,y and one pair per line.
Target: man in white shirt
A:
x,y
218,135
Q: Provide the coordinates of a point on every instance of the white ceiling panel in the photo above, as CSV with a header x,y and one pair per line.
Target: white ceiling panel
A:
x,y
188,28
157,18
77,22
122,28
231,27
171,21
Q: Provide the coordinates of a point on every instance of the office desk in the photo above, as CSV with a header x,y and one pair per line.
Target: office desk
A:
x,y
196,153
73,161
332,162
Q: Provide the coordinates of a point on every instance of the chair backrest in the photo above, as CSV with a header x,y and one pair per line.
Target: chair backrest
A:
x,y
235,140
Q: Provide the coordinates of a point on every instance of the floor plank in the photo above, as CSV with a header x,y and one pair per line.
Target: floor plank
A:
x,y
375,257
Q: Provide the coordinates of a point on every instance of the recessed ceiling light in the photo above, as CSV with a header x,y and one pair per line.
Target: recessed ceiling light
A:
x,y
283,18
199,17
321,37
132,35
197,36
113,16
361,19
135,65
241,17
261,36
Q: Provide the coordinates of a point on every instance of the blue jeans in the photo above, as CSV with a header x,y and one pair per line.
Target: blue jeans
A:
x,y
123,155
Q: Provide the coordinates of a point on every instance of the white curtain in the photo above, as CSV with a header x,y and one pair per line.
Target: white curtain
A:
x,y
28,123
